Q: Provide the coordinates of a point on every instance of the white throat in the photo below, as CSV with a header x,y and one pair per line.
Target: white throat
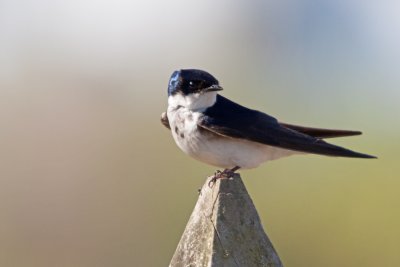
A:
x,y
193,101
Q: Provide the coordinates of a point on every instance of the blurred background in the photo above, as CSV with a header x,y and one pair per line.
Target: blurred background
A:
x,y
89,176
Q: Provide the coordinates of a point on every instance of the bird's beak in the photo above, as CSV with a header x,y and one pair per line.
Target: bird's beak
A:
x,y
213,88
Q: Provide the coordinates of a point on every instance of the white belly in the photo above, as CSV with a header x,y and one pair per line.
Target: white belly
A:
x,y
218,150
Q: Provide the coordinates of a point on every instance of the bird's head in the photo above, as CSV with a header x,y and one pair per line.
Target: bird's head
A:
x,y
192,89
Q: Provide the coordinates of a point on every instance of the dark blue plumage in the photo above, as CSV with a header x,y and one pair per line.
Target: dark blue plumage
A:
x,y
227,118
190,81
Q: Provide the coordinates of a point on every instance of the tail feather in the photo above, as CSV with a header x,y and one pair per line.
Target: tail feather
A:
x,y
319,132
319,146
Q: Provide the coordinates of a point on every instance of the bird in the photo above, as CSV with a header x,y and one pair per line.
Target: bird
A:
x,y
219,132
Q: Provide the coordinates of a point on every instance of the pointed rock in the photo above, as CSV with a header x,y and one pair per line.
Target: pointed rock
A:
x,y
224,230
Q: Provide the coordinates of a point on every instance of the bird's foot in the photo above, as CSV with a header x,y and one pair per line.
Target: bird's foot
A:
x,y
227,173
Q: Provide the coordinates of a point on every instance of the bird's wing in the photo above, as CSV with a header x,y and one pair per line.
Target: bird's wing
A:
x,y
229,119
320,133
164,120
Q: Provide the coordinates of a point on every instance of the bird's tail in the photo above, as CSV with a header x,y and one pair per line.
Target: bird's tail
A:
x,y
319,132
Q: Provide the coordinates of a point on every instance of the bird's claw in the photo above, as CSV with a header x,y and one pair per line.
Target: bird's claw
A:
x,y
220,175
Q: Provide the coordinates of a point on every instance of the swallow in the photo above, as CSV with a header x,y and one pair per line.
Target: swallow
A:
x,y
222,133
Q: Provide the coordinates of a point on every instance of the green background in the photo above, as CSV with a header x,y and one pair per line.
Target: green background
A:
x,y
89,176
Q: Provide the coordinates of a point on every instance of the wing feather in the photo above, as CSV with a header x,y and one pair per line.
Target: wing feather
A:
x,y
165,121
230,119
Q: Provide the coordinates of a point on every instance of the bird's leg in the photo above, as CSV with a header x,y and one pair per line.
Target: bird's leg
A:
x,y
230,172
227,173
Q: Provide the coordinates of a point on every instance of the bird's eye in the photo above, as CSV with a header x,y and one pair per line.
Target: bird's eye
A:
x,y
195,85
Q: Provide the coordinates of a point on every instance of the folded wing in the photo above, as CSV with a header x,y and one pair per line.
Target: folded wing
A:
x,y
164,120
229,119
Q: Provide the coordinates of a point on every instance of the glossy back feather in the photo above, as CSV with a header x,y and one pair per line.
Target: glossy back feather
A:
x,y
229,119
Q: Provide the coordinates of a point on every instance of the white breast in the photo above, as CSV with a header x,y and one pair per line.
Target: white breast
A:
x,y
214,149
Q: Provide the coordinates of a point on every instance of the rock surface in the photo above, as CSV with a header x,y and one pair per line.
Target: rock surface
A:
x,y
224,230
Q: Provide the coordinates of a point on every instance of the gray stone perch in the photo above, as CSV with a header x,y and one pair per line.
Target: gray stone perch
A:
x,y
224,230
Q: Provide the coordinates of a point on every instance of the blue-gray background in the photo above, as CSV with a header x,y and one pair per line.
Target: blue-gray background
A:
x,y
89,177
